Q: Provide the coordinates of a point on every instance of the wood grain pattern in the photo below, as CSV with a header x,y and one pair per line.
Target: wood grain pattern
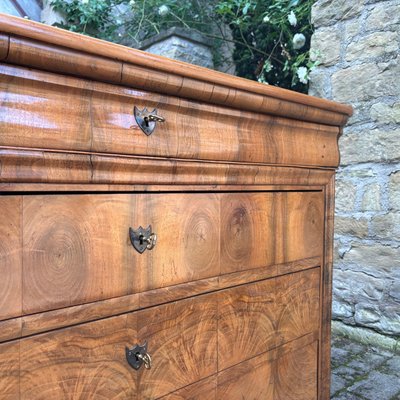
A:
x,y
10,256
54,319
187,242
34,112
250,380
296,374
77,250
9,371
81,363
77,247
326,295
260,229
103,116
182,339
291,104
23,51
274,375
35,166
255,318
4,46
246,324
202,390
297,304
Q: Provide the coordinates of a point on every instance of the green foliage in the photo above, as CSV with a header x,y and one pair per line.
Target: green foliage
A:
x,y
271,38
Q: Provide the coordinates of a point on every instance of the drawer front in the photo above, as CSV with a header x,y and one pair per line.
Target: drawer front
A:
x,y
77,247
64,250
287,373
89,361
99,118
260,229
255,318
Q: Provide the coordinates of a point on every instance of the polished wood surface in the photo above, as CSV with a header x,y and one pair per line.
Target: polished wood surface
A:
x,y
285,373
4,45
9,371
10,256
100,119
82,362
261,229
257,317
77,248
182,338
202,390
49,320
37,166
242,92
238,184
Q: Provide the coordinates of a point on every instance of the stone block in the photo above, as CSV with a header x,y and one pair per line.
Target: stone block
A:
x,y
351,226
370,146
394,292
327,12
341,310
383,15
352,287
326,43
373,45
366,314
386,226
371,200
366,81
320,84
394,191
345,196
376,259
351,29
181,44
386,113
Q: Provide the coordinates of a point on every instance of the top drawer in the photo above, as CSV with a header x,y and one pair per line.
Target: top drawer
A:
x,y
44,110
77,248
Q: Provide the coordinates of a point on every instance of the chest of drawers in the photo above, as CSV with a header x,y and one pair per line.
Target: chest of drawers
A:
x,y
166,230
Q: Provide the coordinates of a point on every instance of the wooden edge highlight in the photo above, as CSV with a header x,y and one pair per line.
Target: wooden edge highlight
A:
x,y
55,319
4,46
34,166
58,37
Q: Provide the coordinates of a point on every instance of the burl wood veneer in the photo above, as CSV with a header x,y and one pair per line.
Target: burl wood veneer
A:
x,y
236,179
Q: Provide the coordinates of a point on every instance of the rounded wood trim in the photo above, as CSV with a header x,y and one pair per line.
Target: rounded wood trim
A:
x,y
187,79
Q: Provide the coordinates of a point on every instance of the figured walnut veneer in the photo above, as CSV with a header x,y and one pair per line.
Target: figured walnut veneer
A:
x,y
237,183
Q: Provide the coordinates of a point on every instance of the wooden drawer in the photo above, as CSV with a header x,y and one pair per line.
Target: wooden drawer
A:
x,y
99,118
255,318
189,340
286,373
77,247
89,361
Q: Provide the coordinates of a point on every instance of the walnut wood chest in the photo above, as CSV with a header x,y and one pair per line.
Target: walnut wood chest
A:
x,y
165,231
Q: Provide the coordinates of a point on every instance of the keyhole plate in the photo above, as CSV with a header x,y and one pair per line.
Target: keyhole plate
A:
x,y
146,124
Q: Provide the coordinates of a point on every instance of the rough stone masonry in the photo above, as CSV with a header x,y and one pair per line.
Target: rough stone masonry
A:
x,y
358,44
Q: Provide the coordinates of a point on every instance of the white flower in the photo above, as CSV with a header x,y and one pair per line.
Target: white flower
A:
x,y
299,41
132,3
302,74
266,19
84,1
163,10
292,18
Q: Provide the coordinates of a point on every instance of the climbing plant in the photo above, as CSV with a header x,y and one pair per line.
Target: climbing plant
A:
x,y
270,38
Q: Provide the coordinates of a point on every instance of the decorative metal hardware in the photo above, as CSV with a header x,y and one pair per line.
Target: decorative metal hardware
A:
x,y
137,356
147,120
142,239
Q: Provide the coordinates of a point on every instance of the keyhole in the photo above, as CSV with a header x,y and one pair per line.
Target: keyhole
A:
x,y
146,121
141,237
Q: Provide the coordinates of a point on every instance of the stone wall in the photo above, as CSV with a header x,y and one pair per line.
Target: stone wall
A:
x,y
358,45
